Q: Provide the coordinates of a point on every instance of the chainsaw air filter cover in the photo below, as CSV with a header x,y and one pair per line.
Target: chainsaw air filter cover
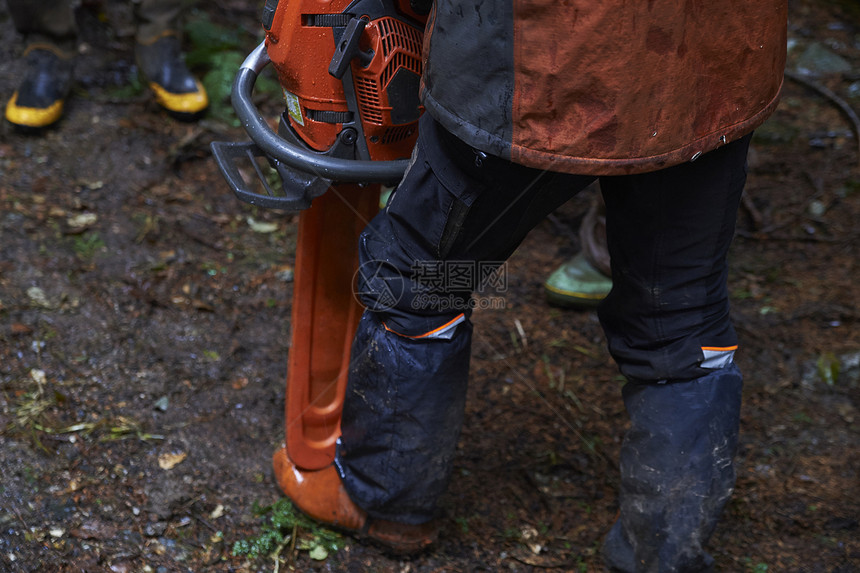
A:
x,y
349,65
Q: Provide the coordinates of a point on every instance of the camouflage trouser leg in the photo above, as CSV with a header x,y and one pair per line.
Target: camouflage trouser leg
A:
x,y
155,18
50,21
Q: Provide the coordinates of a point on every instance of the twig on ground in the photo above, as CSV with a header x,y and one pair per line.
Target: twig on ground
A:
x,y
522,333
796,214
834,99
541,564
758,220
766,236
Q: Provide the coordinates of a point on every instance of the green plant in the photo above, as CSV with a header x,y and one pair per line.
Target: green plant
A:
x,y
462,523
286,527
86,246
218,52
828,368
128,91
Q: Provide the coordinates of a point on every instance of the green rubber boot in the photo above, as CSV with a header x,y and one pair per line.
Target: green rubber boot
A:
x,y
385,195
577,284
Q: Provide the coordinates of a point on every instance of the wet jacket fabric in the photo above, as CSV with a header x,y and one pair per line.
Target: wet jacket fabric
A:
x,y
603,87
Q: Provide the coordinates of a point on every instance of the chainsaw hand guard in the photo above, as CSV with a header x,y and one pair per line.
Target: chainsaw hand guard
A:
x,y
298,188
302,170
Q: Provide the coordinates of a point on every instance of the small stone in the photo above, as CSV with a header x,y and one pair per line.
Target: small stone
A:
x,y
155,529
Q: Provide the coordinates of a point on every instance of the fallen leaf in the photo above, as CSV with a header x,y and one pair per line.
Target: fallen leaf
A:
x,y
217,512
82,221
162,403
18,328
318,553
847,411
93,530
261,227
170,460
530,536
37,296
285,273
202,305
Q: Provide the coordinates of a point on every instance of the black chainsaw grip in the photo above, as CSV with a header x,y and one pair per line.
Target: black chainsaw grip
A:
x,y
302,159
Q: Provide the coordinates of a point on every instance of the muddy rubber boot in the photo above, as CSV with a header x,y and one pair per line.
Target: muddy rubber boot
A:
x,y
676,472
320,495
166,74
38,102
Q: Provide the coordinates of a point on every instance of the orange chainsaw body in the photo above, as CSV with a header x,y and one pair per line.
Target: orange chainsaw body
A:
x,y
300,46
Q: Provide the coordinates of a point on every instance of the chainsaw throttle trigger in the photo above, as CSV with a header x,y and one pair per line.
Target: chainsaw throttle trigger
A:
x,y
348,49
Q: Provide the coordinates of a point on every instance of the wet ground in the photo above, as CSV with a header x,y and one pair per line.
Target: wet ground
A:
x,y
144,330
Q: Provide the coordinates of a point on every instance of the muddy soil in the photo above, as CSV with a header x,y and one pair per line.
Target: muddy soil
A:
x,y
144,331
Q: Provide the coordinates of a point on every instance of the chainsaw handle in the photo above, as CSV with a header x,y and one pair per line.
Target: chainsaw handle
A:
x,y
303,159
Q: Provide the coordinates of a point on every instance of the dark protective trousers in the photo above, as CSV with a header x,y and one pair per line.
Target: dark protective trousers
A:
x,y
666,322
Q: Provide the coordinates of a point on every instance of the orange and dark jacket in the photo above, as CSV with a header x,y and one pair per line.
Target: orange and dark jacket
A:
x,y
603,87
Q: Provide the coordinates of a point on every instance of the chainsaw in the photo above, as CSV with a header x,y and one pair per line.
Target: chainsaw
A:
x,y
350,73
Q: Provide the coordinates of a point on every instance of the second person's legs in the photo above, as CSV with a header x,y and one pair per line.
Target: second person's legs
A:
x,y
51,34
159,56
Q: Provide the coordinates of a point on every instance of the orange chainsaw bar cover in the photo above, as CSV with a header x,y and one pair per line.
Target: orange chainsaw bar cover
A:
x,y
325,316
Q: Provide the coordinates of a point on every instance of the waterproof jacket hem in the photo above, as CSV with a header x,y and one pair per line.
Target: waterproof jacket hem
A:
x,y
491,143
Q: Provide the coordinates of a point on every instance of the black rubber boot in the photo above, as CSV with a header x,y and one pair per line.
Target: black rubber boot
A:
x,y
164,70
39,100
676,472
